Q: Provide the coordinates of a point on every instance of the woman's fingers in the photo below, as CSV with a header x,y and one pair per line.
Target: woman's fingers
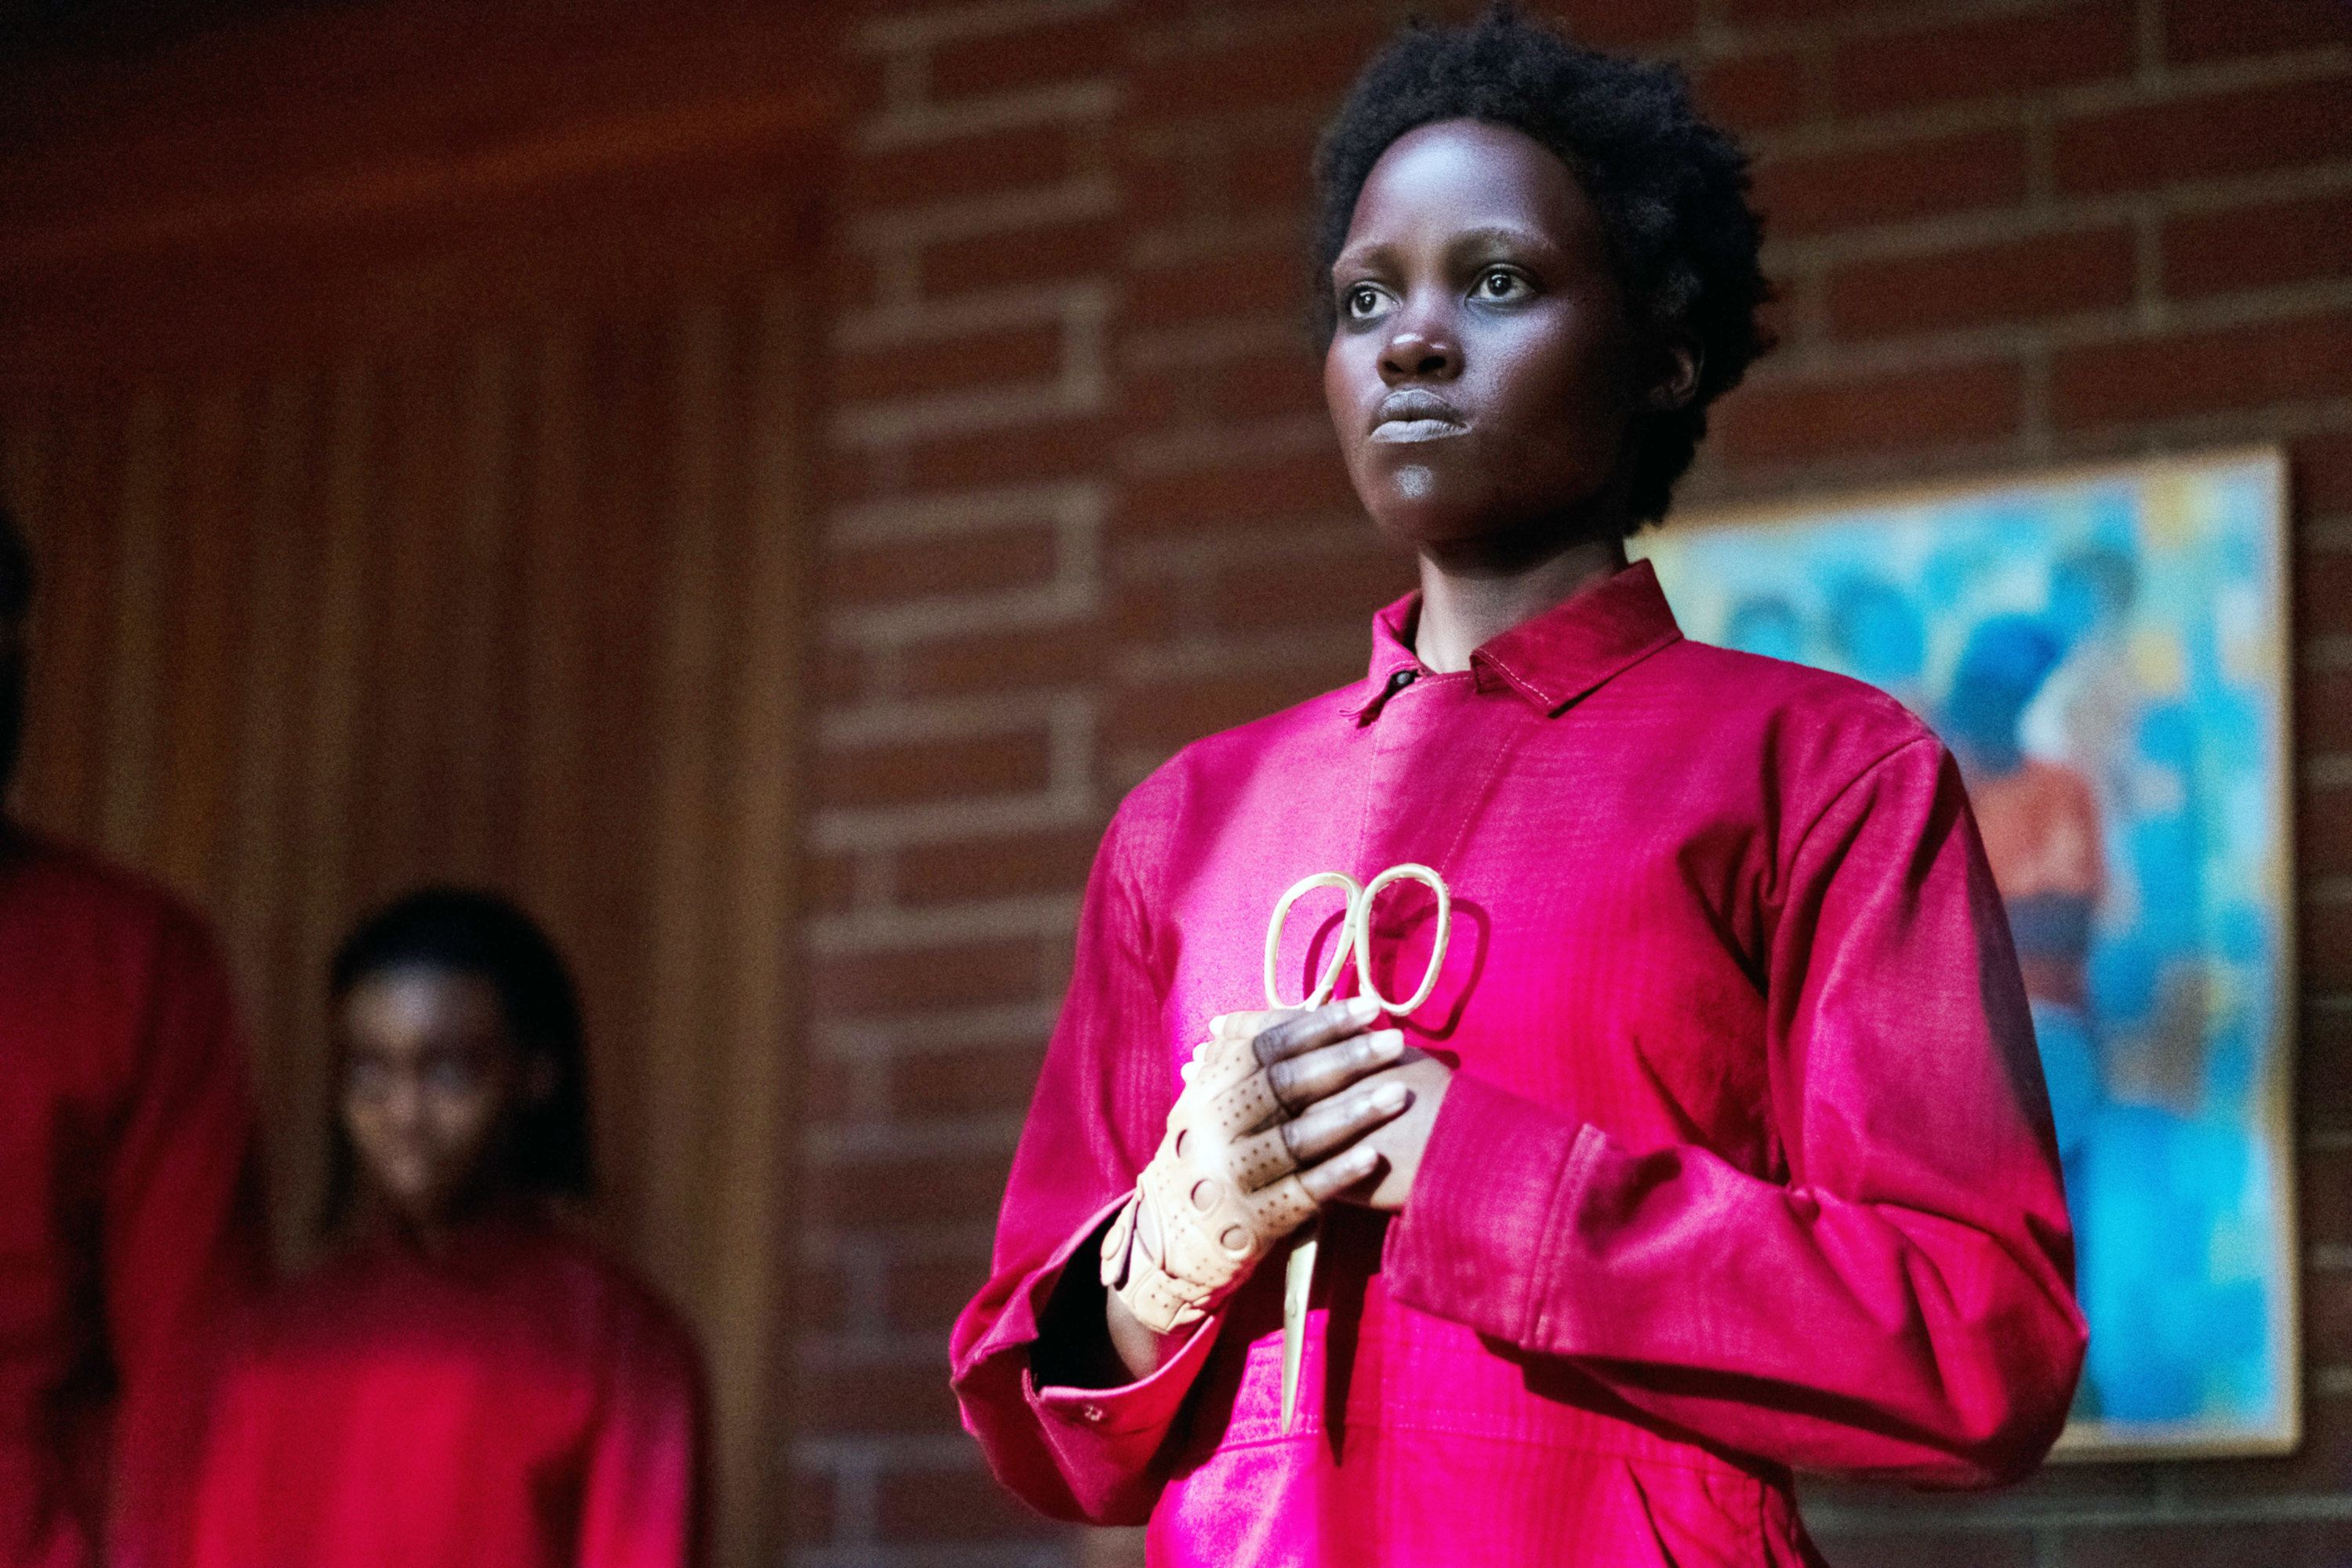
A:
x,y
1295,1034
1339,1121
1350,1167
1299,1081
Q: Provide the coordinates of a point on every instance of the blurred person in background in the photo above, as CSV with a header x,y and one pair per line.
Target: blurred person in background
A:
x,y
1720,1148
129,1212
466,1382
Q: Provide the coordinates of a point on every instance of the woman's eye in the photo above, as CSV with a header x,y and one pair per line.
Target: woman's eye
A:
x,y
1498,283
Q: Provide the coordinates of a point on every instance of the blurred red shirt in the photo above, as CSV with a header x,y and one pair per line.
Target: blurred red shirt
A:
x,y
516,1400
1747,1166
128,1212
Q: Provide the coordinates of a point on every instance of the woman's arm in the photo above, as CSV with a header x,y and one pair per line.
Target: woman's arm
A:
x,y
1070,1393
1901,1302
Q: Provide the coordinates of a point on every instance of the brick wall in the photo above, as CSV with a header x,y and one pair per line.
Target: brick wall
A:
x,y
1085,507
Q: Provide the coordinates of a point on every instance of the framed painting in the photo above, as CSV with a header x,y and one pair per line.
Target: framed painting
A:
x,y
2105,651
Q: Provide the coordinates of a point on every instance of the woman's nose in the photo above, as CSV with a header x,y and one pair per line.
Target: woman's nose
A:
x,y
1419,351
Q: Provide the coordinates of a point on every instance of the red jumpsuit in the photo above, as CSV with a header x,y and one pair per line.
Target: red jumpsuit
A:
x,y
518,1401
1748,1164
128,1211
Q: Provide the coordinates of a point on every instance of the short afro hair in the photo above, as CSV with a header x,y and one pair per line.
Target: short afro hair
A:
x,y
1670,190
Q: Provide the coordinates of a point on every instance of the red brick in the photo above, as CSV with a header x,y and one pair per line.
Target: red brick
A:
x,y
2326,1457
1271,594
1271,173
994,360
1246,283
811,1509
947,1190
1159,185
1754,92
2320,466
2254,246
1228,394
2238,367
925,1293
2323,1188
961,564
1314,63
935,770
2272,1544
2324,1098
875,1399
1930,1549
1767,11
1051,253
981,164
1068,49
933,1084
1165,718
1891,183
966,976
1066,448
831,882
2055,275
997,868
2239,132
1003,660
2323,718
1792,422
1614,25
2327,954
1237,495
2214,29
953,1505
2000,57
841,674
1144,613
821,1295
2323,594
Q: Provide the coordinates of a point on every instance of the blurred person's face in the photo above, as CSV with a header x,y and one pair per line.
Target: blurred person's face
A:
x,y
432,1077
1485,375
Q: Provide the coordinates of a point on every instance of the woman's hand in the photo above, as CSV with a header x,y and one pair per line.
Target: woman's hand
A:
x,y
1400,1143
1269,1128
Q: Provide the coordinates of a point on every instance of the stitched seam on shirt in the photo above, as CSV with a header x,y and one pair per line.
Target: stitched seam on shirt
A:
x,y
1797,850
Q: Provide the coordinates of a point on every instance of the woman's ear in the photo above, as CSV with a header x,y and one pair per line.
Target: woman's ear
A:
x,y
1678,381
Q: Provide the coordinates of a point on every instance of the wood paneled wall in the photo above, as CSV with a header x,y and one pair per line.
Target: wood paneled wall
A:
x,y
424,498
520,610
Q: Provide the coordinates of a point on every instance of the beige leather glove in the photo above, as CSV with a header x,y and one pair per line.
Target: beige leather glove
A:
x,y
1219,1194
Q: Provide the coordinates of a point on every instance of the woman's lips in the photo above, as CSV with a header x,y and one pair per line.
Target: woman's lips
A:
x,y
1403,430
1415,414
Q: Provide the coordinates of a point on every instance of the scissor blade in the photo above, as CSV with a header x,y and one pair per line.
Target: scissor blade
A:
x,y
1297,1283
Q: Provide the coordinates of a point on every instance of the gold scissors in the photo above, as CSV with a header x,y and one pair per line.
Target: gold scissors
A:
x,y
1355,936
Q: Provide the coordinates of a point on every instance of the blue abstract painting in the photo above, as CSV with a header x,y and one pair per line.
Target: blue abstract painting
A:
x,y
2104,651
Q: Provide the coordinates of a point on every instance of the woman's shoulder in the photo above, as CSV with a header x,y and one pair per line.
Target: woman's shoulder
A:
x,y
1818,713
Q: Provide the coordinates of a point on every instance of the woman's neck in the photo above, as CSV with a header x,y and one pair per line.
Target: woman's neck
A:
x,y
1469,597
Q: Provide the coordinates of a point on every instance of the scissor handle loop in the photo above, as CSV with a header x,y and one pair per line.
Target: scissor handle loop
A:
x,y
1360,916
1330,980
1356,935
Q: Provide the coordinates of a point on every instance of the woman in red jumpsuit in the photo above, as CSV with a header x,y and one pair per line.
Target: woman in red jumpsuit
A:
x,y
1718,1148
466,1382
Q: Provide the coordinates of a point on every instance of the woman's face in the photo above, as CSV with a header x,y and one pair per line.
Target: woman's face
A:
x,y
1484,373
430,1077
